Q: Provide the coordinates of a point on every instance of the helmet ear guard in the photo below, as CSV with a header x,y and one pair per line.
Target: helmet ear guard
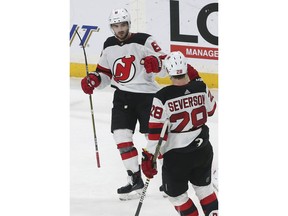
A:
x,y
175,64
118,16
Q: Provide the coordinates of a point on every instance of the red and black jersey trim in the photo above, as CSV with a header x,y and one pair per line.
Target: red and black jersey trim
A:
x,y
213,110
103,70
155,131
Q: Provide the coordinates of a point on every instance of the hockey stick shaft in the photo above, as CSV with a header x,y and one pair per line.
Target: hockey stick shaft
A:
x,y
91,103
157,150
142,197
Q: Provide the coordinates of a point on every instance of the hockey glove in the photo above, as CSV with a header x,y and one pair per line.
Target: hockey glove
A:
x,y
192,72
90,82
152,64
147,164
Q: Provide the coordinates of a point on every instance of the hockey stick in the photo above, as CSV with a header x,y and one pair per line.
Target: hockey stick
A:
x,y
157,150
91,104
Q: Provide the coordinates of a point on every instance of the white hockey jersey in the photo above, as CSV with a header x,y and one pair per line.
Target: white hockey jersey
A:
x,y
187,108
120,64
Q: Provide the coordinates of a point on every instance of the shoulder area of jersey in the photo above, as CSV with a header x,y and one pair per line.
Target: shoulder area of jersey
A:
x,y
139,37
142,34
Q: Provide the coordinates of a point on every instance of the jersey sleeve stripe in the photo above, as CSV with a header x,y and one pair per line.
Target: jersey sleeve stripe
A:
x,y
212,111
103,70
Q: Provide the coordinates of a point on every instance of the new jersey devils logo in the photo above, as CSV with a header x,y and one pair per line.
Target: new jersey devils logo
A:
x,y
124,69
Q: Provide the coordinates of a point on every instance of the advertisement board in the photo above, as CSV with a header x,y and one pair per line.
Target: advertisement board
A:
x,y
188,26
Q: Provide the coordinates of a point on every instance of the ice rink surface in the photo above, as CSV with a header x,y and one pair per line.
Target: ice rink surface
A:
x,y
93,189
34,119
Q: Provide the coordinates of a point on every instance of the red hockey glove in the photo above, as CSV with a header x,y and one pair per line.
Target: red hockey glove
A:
x,y
90,82
192,72
147,164
152,64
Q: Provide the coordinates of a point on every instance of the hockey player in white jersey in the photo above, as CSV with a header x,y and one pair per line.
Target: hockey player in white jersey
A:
x,y
187,152
129,62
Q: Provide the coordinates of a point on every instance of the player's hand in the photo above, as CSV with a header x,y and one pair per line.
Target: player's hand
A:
x,y
90,82
192,72
152,64
147,164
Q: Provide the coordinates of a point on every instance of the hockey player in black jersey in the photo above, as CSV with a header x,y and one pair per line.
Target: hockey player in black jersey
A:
x,y
187,152
128,62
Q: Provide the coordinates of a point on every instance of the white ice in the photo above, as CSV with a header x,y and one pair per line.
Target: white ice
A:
x,y
93,189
